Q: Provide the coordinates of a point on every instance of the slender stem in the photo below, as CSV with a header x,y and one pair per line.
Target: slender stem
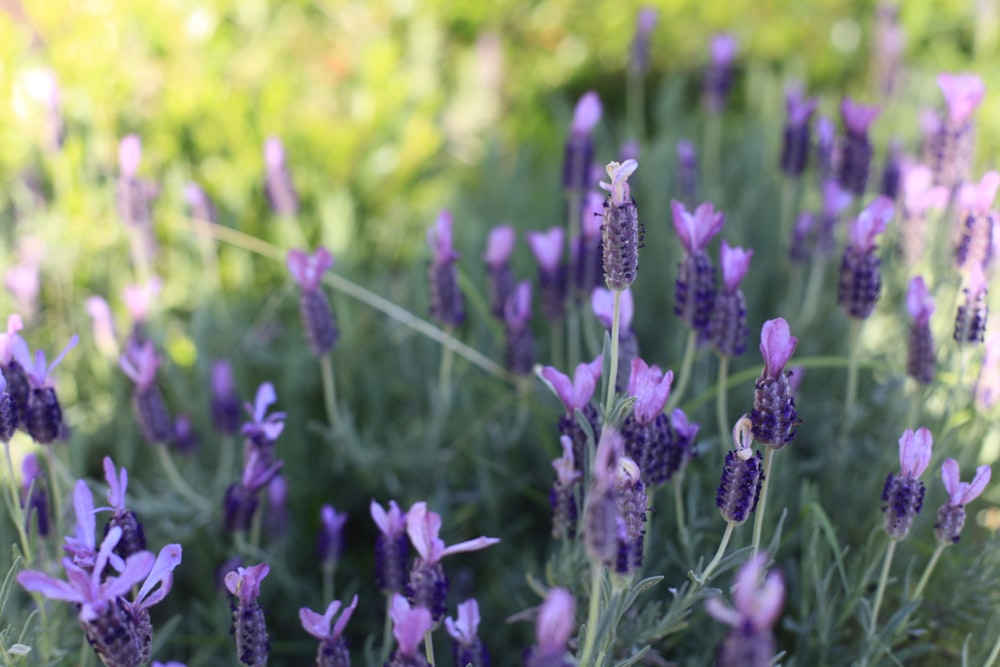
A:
x,y
713,134
927,572
85,649
255,524
814,285
852,376
175,479
329,389
15,500
679,505
635,104
719,553
720,401
429,647
613,373
596,580
327,571
383,654
556,343
758,519
992,657
444,374
573,333
678,392
789,195
57,497
140,258
881,582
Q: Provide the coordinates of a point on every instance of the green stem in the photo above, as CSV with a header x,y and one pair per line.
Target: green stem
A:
x,y
880,592
573,333
328,592
383,654
789,195
613,373
175,479
57,496
444,373
852,376
429,648
329,390
679,505
710,152
814,285
720,402
15,505
678,392
992,657
758,520
927,572
596,582
255,524
719,553
635,104
556,344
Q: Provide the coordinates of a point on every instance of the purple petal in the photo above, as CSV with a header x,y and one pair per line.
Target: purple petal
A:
x,y
919,301
776,345
987,190
857,118
423,528
129,155
735,262
949,475
439,238
83,503
116,485
722,612
651,389
50,587
345,616
556,620
915,452
562,386
602,302
977,485
274,154
470,545
499,246
587,113
137,567
962,93
315,624
409,625
683,225
166,562
871,223
547,247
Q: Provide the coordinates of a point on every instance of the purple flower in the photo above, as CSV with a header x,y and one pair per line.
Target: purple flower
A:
x,y
439,239
139,363
903,495
244,582
872,222
330,542
757,600
565,466
774,416
103,325
962,493
696,230
139,299
278,186
776,346
918,195
83,545
962,93
723,49
10,339
547,248
199,205
980,199
915,452
464,630
919,301
391,523
735,262
857,117
319,625
499,246
575,394
517,310
446,301
249,627
409,625
587,114
799,108
226,405
618,188
308,269
129,155
263,426
651,388
639,53
554,627
423,528
391,547
38,372
602,302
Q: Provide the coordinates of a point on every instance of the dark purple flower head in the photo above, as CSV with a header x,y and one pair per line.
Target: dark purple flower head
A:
x,y
919,301
139,363
962,493
37,370
308,269
651,388
409,624
439,239
962,93
547,248
587,114
464,630
757,600
262,425
871,223
517,310
799,108
735,262
697,229
857,118
423,528
915,452
777,345
602,302
576,393
129,155
499,246
322,626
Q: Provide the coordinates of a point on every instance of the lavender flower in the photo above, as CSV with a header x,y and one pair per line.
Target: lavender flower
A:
x,y
185,438
34,499
332,646
575,395
631,504
796,140
951,515
903,495
649,436
103,326
976,246
409,625
826,149
988,382
249,628
728,326
547,248
240,502
42,415
687,172
15,375
694,294
918,197
892,172
467,649
226,405
8,412
278,186
603,524
602,302
621,233
742,476
520,349
200,207
499,247
330,541
118,629
318,322
263,429
774,417
133,538
579,151
855,148
587,253
562,497
757,603
718,79
139,301
860,274
951,142
391,547
970,317
446,302
553,629
638,61
134,194
428,585
920,351
139,363
82,547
